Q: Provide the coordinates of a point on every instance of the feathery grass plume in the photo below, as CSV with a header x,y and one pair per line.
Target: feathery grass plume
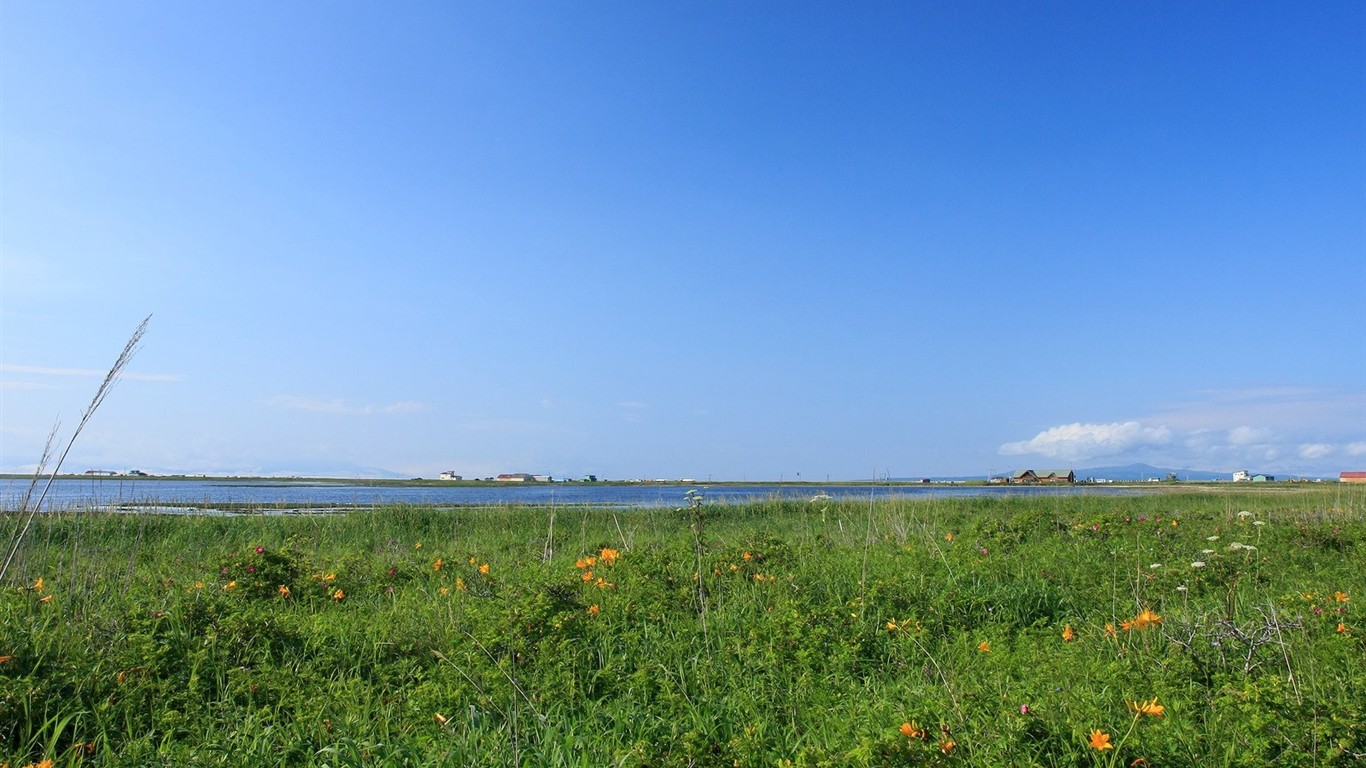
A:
x,y
26,512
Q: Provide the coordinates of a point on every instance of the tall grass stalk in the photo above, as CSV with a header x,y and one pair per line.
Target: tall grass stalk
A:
x,y
27,512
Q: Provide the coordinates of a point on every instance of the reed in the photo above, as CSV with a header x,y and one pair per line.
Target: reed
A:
x,y
29,506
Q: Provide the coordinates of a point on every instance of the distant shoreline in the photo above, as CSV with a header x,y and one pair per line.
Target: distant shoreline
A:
x,y
1173,485
421,481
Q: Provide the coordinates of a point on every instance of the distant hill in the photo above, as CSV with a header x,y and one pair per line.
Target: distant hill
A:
x,y
1147,471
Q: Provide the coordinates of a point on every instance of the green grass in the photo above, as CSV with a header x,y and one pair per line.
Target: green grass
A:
x,y
845,620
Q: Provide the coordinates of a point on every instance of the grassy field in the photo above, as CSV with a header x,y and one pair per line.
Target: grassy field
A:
x,y
1219,629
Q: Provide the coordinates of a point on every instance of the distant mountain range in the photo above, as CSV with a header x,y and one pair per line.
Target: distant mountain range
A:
x,y
1146,471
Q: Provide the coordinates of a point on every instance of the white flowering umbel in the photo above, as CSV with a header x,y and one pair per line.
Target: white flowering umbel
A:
x,y
694,500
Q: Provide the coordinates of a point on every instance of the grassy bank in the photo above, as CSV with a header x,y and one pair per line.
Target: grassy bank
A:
x,y
984,631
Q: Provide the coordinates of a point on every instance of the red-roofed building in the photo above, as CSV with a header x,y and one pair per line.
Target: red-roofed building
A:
x,y
1352,477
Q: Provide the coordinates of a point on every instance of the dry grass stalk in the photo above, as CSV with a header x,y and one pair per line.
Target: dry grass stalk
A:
x,y
27,511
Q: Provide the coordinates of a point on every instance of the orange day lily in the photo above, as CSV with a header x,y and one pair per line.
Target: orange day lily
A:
x,y
1100,740
912,730
1150,708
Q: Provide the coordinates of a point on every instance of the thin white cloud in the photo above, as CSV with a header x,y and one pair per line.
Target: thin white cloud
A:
x,y
39,370
506,426
16,386
1315,450
341,407
1356,449
37,277
1257,394
1076,442
1267,409
1247,436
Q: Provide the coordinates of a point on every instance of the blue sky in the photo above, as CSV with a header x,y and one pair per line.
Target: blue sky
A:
x,y
727,240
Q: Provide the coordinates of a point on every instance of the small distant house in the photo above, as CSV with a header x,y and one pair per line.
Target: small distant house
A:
x,y
514,477
542,478
1263,479
450,476
1242,476
1030,476
1352,477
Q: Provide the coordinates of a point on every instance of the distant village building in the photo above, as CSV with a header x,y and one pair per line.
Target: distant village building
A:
x,y
1242,476
450,476
1263,478
1352,477
514,477
542,478
1030,476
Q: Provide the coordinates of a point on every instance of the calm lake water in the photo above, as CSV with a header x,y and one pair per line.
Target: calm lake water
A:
x,y
284,496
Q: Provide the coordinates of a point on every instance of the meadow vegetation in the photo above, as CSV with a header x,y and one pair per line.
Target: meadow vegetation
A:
x,y
1219,629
